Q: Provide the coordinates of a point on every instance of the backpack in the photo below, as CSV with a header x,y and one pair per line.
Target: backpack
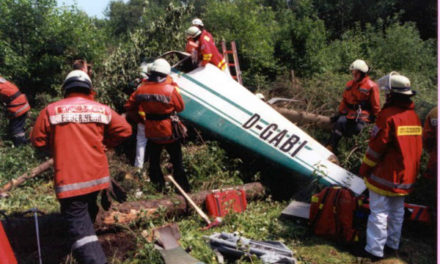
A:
x,y
332,213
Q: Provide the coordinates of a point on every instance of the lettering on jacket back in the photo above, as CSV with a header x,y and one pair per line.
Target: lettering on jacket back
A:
x,y
84,113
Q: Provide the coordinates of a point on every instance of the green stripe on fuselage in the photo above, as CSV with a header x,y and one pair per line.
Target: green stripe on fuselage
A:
x,y
232,130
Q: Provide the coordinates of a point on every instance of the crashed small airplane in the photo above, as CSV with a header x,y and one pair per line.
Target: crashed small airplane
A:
x,y
221,105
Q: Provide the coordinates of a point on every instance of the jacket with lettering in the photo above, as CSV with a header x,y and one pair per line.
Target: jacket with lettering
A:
x,y
363,94
158,100
392,160
209,51
15,101
77,130
430,142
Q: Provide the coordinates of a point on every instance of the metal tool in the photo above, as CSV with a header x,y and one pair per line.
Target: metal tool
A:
x,y
233,245
275,100
35,212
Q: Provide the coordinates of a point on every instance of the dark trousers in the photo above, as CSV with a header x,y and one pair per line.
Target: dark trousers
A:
x,y
80,213
344,127
16,130
155,172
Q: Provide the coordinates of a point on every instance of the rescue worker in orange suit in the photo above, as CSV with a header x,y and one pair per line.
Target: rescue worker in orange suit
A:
x,y
160,100
360,105
391,164
430,143
17,107
206,50
77,130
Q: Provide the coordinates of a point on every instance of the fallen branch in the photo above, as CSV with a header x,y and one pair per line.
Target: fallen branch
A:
x,y
28,175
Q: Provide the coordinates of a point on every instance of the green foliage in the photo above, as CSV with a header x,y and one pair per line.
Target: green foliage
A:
x,y
254,27
39,42
208,167
125,17
120,67
302,39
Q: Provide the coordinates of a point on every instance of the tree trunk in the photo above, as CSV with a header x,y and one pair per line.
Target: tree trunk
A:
x,y
175,205
301,117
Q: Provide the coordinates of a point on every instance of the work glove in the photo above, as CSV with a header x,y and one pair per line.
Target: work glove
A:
x,y
117,192
106,200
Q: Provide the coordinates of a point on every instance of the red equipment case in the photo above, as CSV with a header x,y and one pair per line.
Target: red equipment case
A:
x,y
222,202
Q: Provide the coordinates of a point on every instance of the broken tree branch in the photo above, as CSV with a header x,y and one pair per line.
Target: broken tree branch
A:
x,y
33,173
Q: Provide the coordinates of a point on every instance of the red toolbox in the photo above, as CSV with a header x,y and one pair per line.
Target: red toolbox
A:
x,y
222,202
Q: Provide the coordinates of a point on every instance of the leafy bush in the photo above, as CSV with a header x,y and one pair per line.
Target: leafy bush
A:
x,y
40,41
254,28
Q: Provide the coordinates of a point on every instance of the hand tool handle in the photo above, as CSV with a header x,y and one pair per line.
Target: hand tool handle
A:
x,y
193,204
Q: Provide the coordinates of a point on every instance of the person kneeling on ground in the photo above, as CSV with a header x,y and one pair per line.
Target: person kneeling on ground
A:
x,y
360,105
77,131
391,164
160,100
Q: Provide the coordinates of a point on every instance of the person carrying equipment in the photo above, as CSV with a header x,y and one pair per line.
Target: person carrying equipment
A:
x,y
360,105
77,130
17,107
160,100
391,164
205,47
430,143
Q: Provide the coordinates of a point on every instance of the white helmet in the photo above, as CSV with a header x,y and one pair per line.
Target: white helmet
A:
x,y
77,78
260,96
197,22
193,32
161,66
144,69
396,83
359,65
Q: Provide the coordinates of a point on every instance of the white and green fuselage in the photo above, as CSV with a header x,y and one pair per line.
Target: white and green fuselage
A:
x,y
216,102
